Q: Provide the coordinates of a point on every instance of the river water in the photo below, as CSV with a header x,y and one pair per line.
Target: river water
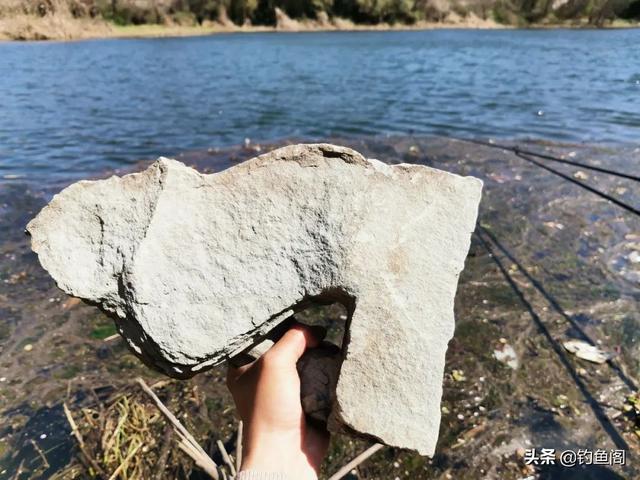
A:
x,y
70,110
80,109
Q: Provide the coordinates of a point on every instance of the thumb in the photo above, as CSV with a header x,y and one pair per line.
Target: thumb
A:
x,y
294,343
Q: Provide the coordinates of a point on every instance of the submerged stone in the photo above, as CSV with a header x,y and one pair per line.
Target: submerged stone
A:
x,y
197,268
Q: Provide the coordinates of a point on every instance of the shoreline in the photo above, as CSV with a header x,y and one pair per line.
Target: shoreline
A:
x,y
54,28
541,144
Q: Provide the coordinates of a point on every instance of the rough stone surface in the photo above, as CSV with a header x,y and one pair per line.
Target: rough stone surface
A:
x,y
196,268
319,369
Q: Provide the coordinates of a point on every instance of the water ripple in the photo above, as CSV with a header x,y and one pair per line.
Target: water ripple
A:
x,y
72,109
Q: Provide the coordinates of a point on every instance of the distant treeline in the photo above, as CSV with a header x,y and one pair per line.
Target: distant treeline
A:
x,y
263,12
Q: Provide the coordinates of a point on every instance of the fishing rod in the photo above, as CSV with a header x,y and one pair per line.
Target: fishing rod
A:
x,y
589,188
599,413
622,374
526,155
517,150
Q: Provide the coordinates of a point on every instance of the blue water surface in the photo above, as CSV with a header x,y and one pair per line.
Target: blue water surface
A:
x,y
74,109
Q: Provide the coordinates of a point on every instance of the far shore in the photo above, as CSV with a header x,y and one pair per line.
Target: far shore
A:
x,y
28,28
151,31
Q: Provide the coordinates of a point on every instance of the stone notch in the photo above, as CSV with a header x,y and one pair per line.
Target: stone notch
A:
x,y
197,268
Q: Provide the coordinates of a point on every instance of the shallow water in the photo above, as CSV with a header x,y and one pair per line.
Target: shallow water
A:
x,y
568,240
70,110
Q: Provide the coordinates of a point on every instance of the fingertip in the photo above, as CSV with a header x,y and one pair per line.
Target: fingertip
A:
x,y
294,342
312,335
301,335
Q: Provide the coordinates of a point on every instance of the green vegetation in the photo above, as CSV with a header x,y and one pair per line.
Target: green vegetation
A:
x,y
67,372
104,329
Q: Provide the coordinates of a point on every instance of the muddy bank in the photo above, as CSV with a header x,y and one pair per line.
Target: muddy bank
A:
x,y
562,267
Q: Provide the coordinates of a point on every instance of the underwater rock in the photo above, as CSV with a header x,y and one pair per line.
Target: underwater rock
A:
x,y
586,351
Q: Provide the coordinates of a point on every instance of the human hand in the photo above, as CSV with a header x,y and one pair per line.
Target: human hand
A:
x,y
277,437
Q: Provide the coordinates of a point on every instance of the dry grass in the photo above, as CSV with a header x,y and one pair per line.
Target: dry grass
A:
x,y
127,437
134,436
58,26
61,25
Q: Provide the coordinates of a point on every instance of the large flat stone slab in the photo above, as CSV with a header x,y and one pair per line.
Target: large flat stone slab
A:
x,y
196,268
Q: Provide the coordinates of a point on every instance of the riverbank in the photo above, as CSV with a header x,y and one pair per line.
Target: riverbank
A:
x,y
65,27
62,27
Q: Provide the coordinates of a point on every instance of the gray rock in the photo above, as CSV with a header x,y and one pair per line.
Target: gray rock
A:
x,y
197,268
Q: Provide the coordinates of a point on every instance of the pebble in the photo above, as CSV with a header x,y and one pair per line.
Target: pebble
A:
x,y
28,347
556,225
